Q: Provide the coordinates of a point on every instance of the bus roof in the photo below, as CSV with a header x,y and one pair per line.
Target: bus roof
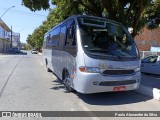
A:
x,y
77,16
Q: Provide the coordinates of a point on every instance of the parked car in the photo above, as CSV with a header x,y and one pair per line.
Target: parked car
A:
x,y
151,64
34,51
15,50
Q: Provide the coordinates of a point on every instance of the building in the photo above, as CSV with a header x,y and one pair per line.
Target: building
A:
x,y
16,40
5,42
147,39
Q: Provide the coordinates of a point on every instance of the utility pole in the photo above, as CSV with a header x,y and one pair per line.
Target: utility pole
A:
x,y
11,38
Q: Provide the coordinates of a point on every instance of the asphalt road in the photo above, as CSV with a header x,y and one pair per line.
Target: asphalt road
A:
x,y
25,85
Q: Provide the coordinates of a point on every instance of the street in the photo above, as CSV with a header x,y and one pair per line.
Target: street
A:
x,y
25,85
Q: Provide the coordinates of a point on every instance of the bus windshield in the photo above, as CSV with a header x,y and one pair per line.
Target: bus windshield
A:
x,y
101,37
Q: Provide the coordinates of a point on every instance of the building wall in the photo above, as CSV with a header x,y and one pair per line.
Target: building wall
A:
x,y
147,39
4,41
4,45
3,33
4,37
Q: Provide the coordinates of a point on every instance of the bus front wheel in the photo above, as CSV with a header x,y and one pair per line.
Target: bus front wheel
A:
x,y
67,82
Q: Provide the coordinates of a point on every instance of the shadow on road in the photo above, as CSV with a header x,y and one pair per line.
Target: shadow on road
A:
x,y
58,85
107,98
113,98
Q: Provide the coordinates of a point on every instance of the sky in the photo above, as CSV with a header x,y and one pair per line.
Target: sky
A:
x,y
21,19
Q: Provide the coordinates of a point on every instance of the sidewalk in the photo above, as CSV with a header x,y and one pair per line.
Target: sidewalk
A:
x,y
13,53
150,85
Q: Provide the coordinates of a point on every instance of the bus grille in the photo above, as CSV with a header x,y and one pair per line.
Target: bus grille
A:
x,y
116,83
117,72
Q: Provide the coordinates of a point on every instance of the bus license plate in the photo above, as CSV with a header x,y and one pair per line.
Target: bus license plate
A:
x,y
119,88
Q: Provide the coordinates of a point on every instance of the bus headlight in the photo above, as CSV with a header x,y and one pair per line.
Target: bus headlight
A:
x,y
90,69
137,70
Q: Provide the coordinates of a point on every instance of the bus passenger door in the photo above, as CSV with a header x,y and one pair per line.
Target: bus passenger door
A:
x,y
61,49
70,47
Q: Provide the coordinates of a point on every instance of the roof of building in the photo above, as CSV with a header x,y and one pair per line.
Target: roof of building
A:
x,y
4,26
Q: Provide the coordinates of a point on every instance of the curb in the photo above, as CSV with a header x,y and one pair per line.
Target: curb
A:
x,y
152,92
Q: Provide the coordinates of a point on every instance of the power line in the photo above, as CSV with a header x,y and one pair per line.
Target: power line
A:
x,y
26,13
38,15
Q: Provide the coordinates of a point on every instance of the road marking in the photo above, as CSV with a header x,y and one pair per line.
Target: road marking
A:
x,y
10,75
85,108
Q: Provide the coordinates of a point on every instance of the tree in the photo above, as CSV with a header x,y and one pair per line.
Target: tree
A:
x,y
26,46
36,39
30,40
131,13
34,5
153,13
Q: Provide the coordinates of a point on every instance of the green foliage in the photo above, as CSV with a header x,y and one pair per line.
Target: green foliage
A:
x,y
34,5
131,13
27,47
153,13
30,40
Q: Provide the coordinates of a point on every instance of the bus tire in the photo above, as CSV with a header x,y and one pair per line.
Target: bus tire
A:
x,y
67,81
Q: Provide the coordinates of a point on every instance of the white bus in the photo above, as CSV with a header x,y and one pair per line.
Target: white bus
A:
x,y
92,54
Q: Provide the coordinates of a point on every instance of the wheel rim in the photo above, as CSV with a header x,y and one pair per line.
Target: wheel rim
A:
x,y
67,84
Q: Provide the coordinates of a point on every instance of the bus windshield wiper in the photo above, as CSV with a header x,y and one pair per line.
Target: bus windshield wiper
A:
x,y
105,51
129,52
97,50
115,53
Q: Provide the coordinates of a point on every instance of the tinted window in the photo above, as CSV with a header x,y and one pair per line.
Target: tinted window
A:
x,y
71,39
70,43
54,37
63,33
150,59
101,38
47,41
62,37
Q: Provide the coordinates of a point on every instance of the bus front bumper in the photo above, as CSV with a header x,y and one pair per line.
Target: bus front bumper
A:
x,y
95,82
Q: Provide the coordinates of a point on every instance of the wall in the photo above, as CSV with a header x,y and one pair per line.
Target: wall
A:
x,y
4,42
148,38
4,45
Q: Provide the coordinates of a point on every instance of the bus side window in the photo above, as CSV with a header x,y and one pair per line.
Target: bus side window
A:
x,y
54,37
47,41
62,36
70,41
